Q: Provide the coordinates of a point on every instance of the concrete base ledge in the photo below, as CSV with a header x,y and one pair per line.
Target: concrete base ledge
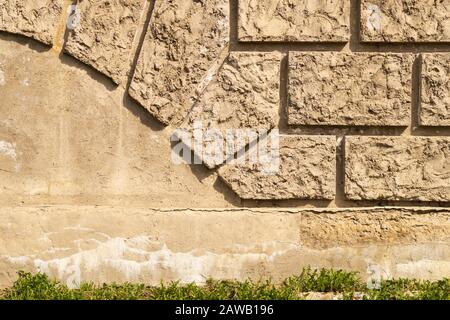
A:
x,y
105,244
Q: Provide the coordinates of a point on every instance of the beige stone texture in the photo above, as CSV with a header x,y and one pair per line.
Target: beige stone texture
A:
x,y
398,168
286,20
329,88
435,105
245,94
92,190
307,168
185,44
405,20
74,244
69,136
36,19
105,35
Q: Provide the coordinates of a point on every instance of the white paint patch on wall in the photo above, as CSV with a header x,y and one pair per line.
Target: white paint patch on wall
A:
x,y
8,149
18,260
374,21
133,257
411,269
2,78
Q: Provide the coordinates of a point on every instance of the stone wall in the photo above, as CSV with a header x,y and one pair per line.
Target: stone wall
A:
x,y
359,91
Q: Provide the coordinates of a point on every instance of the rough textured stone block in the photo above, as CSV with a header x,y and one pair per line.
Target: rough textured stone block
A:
x,y
104,38
398,168
307,167
332,88
286,20
435,108
405,20
36,19
185,44
244,95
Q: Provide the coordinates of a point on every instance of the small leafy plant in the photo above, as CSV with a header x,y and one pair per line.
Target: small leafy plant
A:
x,y
340,284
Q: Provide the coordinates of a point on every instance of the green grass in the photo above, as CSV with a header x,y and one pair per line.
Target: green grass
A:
x,y
346,285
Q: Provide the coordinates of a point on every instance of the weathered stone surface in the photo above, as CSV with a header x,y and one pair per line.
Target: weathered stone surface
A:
x,y
244,95
405,20
185,44
36,19
398,168
104,38
74,244
330,88
435,107
65,138
328,228
307,166
286,20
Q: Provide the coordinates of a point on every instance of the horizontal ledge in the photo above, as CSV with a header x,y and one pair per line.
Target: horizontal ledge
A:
x,y
132,210
333,46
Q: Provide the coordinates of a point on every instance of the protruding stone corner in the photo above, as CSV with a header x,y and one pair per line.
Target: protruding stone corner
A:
x,y
105,36
305,169
239,104
183,47
32,19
